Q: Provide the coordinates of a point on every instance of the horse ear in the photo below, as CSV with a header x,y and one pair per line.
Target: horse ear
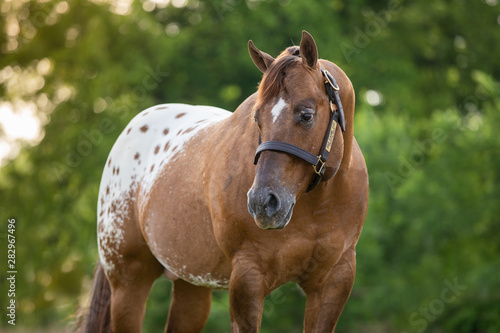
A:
x,y
261,59
308,50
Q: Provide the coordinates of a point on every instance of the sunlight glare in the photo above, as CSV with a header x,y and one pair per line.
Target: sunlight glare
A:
x,y
22,125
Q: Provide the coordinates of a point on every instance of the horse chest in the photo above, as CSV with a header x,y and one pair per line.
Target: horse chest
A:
x,y
302,259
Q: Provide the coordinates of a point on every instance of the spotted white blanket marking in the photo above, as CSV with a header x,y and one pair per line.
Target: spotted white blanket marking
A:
x,y
148,143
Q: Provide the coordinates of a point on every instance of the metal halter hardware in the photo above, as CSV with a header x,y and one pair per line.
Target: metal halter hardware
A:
x,y
318,162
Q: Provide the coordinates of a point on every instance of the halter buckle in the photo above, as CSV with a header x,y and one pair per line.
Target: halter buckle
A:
x,y
329,80
333,107
321,169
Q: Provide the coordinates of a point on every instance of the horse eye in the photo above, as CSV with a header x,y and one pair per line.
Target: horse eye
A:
x,y
307,116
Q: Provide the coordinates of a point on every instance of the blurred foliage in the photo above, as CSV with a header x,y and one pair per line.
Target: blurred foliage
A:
x,y
428,108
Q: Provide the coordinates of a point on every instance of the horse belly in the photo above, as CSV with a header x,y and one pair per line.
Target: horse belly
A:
x,y
179,233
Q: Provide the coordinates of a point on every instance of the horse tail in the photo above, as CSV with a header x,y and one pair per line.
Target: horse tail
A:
x,y
98,317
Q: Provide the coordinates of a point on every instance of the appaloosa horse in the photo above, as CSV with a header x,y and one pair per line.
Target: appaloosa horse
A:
x,y
180,182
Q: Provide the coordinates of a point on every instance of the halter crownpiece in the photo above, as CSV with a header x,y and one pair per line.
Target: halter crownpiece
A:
x,y
318,162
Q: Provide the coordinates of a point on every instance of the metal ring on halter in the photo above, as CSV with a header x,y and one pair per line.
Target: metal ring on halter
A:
x,y
329,80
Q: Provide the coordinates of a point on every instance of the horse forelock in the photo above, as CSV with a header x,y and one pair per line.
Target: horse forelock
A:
x,y
273,80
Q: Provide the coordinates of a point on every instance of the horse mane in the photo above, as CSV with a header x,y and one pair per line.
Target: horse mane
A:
x,y
273,79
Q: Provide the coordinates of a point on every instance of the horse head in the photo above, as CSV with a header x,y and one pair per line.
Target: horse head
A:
x,y
293,109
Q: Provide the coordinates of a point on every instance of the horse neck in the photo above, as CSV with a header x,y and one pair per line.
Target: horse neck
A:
x,y
243,119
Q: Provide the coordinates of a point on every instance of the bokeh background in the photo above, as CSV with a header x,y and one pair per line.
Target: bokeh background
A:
x,y
426,75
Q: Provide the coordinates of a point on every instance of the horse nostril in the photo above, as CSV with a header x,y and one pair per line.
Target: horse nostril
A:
x,y
272,204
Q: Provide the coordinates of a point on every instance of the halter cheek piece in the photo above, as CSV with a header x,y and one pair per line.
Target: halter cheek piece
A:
x,y
318,162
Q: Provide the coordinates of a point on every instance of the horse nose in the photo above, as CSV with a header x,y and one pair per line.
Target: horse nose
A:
x,y
270,209
272,204
264,202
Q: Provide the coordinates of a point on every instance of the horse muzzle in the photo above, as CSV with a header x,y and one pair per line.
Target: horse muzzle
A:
x,y
269,208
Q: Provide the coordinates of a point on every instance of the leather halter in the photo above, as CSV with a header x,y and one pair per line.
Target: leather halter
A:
x,y
318,162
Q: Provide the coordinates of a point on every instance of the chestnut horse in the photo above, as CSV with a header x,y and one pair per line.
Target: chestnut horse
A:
x,y
180,182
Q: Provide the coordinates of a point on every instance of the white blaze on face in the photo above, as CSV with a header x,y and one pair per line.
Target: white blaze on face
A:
x,y
277,108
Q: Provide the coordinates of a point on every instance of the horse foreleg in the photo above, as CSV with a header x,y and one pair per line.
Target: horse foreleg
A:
x,y
189,309
326,298
246,298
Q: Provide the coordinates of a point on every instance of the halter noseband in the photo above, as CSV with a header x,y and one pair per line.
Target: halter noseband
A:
x,y
318,162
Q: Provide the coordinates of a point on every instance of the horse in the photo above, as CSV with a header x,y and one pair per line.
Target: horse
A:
x,y
221,200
